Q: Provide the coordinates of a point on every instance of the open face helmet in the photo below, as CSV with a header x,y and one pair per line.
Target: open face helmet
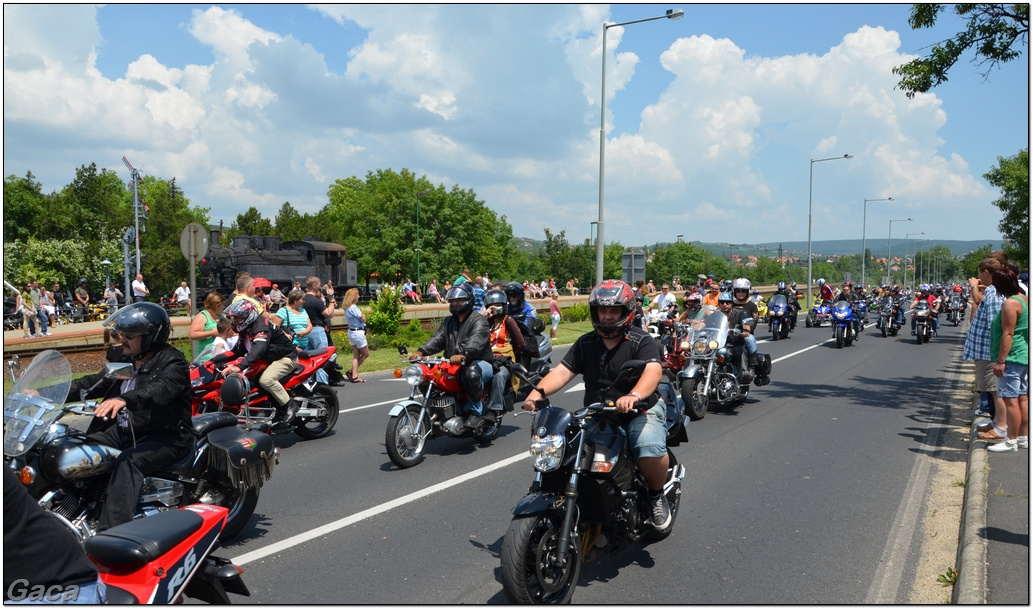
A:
x,y
612,293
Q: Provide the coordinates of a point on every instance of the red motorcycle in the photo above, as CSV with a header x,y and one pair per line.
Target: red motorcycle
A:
x,y
253,406
162,558
435,408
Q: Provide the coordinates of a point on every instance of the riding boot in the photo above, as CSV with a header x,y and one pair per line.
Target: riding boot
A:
x,y
472,382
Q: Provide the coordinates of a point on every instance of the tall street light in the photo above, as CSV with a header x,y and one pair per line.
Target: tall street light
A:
x,y
417,249
864,228
672,13
810,207
591,230
889,249
906,237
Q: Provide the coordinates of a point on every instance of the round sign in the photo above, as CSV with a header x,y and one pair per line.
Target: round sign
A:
x,y
199,241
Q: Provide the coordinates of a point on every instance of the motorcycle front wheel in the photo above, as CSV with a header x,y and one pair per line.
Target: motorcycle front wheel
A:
x,y
528,573
696,402
784,332
403,440
319,427
840,337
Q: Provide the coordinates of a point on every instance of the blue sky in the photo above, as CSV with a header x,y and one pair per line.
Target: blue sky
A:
x,y
711,119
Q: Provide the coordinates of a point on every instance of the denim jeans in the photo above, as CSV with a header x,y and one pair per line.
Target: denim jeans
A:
x,y
317,339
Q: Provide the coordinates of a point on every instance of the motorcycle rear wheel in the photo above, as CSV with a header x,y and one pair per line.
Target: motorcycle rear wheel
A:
x,y
318,428
528,575
493,431
696,402
241,504
405,443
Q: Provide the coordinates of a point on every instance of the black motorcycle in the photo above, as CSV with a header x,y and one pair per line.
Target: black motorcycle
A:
x,y
587,495
68,475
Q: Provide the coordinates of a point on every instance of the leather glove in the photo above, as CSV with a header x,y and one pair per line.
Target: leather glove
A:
x,y
457,359
415,355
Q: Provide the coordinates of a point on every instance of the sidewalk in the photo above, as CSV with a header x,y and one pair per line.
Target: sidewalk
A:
x,y
993,551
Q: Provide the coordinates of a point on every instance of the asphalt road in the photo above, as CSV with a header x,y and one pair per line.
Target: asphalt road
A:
x,y
808,493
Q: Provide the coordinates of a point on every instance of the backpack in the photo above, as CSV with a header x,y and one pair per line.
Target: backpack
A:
x,y
529,336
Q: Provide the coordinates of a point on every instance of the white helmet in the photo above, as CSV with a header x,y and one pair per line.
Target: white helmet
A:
x,y
821,281
741,283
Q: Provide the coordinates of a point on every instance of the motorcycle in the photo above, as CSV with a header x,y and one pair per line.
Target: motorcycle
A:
x,y
955,309
821,312
887,321
675,349
843,315
716,372
923,316
68,474
253,407
587,496
435,408
166,557
762,307
779,314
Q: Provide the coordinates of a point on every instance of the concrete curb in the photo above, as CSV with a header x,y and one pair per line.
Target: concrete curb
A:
x,y
970,587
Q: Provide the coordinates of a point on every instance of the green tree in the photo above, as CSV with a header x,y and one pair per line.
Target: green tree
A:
x,y
250,222
162,262
970,261
25,207
991,31
1012,176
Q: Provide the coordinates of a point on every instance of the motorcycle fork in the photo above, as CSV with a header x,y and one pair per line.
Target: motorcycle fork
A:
x,y
710,374
570,498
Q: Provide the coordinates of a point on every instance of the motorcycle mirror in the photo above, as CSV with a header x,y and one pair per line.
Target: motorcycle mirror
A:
x,y
14,364
122,371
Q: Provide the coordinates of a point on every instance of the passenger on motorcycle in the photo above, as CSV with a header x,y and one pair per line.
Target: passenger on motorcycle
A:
x,y
598,356
464,338
506,342
146,417
741,302
924,293
850,296
519,308
260,339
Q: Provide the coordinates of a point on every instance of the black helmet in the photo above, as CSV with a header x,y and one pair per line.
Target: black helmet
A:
x,y
463,292
495,297
145,319
83,282
515,289
612,293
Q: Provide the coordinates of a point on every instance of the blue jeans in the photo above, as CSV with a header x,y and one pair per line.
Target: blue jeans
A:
x,y
42,316
498,389
647,432
751,345
317,339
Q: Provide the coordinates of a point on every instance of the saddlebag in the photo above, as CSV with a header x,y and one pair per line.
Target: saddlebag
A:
x,y
763,364
247,457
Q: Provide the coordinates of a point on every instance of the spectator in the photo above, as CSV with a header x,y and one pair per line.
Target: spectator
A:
x,y
82,299
320,313
478,293
37,302
356,333
1009,342
328,291
409,291
47,305
554,316
204,325
977,346
245,288
463,278
140,291
295,319
28,313
276,296
713,291
433,291
182,297
222,343
111,296
58,297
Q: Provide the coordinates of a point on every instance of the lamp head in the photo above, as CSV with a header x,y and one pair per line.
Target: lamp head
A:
x,y
675,13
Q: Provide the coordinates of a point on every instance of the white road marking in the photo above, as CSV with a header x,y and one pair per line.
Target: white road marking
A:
x,y
317,532
802,350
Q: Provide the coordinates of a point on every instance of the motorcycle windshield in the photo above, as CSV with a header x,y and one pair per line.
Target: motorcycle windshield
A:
x,y
922,306
887,302
778,300
27,416
842,306
713,326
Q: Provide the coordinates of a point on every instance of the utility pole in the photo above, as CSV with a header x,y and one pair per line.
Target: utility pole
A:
x,y
134,176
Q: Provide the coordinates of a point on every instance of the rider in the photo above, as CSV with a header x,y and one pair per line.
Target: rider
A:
x,y
146,417
924,293
259,339
505,340
794,305
898,304
741,302
463,337
826,291
598,356
738,318
519,308
851,297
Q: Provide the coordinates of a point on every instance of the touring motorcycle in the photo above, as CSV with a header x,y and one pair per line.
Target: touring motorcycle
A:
x,y
887,321
68,474
923,316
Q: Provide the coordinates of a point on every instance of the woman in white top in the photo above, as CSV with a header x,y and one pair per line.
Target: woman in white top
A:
x,y
356,333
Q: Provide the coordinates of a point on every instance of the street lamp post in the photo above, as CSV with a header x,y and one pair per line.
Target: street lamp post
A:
x,y
864,229
418,250
906,237
591,228
889,249
107,277
810,207
672,13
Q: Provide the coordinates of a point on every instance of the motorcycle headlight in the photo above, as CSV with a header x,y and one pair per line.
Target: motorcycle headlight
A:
x,y
547,452
699,347
413,375
839,315
684,345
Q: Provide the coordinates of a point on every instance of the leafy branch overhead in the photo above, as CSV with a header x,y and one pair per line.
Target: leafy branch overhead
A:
x,y
992,31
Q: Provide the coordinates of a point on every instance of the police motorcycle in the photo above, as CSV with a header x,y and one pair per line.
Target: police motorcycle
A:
x,y
716,373
68,474
587,496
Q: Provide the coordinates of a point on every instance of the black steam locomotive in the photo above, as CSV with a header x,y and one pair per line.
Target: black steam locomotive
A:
x,y
280,262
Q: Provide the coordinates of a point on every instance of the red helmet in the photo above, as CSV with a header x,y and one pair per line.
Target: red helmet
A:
x,y
612,293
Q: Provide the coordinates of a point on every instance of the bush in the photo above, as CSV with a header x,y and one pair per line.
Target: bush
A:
x,y
385,313
578,312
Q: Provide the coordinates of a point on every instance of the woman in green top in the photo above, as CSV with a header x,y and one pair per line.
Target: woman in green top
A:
x,y
203,327
1009,341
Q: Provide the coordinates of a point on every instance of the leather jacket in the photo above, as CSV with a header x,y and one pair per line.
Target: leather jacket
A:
x,y
160,400
468,337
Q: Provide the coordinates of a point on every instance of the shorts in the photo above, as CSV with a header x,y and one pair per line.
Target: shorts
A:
x,y
555,317
1015,381
985,379
647,432
357,338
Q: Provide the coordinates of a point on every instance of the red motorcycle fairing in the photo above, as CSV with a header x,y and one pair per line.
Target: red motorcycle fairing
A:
x,y
155,559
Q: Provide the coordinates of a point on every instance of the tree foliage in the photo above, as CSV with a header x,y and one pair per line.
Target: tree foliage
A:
x,y
969,266
992,31
1012,176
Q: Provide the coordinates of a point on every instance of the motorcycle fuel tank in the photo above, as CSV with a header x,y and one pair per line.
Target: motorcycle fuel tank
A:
x,y
74,459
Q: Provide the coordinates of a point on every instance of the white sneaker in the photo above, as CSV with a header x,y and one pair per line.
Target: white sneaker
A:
x,y
1023,441
1004,447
